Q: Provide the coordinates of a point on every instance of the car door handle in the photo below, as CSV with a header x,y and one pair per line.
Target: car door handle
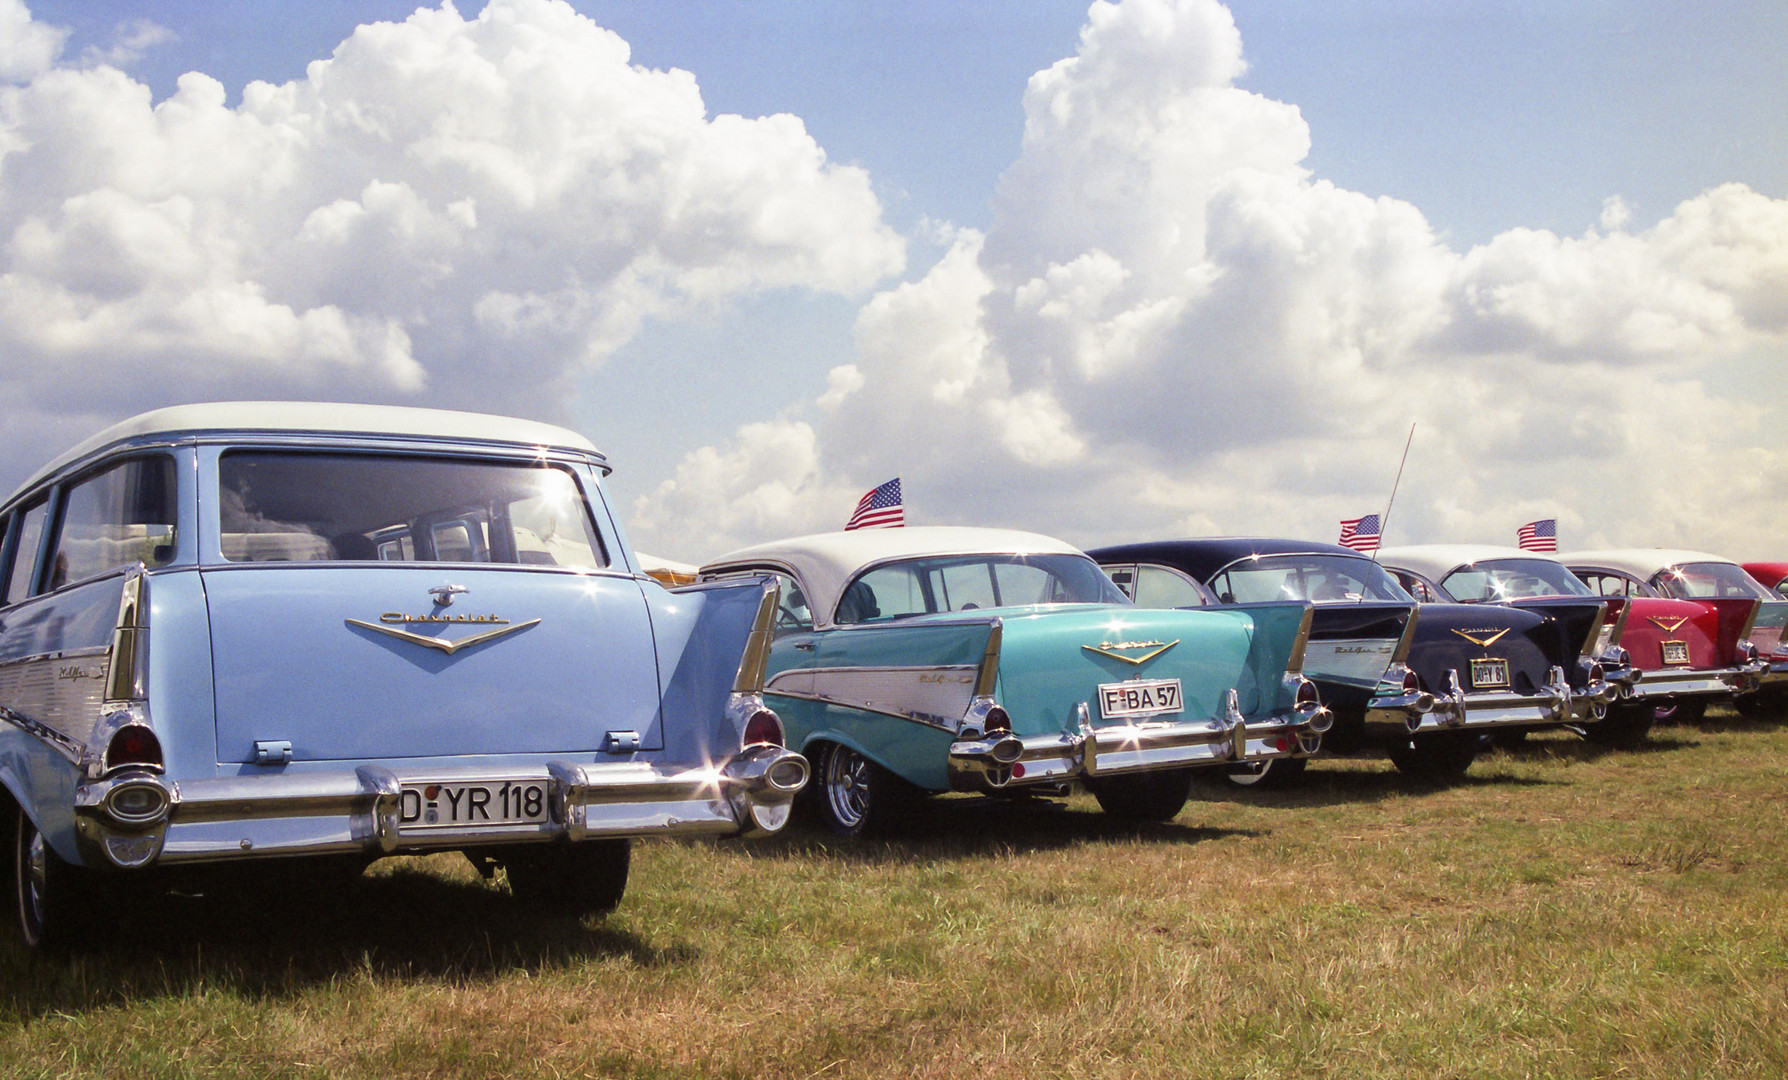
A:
x,y
804,646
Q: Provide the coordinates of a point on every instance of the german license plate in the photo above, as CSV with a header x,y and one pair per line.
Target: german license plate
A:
x,y
460,805
1487,673
1144,697
1676,652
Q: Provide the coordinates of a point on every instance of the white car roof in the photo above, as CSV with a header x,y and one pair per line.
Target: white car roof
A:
x,y
1642,563
1436,561
826,562
322,417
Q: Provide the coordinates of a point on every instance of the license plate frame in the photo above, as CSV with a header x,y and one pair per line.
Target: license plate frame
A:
x,y
508,802
1140,698
1676,652
1489,674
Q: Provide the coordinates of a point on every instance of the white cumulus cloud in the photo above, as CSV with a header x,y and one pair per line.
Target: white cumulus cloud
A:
x,y
447,210
1172,327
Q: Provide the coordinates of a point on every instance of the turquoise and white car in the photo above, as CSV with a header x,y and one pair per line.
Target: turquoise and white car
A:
x,y
923,660
260,633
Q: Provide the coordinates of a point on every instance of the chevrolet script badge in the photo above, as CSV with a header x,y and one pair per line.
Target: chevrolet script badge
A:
x,y
444,644
1111,649
1483,638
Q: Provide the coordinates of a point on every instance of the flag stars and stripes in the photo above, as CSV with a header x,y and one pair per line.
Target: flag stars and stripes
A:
x,y
1361,533
1541,535
879,508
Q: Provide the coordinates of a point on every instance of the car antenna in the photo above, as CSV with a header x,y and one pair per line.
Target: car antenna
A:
x,y
1386,520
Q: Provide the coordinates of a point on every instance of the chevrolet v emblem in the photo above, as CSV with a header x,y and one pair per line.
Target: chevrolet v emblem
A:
x,y
1482,642
1667,625
1107,648
446,646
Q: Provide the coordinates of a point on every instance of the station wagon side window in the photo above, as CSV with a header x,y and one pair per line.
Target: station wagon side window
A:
x,y
286,506
115,519
24,551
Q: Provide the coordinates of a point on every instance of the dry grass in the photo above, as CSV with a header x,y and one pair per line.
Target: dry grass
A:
x,y
1565,912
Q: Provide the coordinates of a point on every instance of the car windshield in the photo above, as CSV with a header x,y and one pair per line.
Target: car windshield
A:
x,y
1513,579
307,507
1692,581
1316,577
970,582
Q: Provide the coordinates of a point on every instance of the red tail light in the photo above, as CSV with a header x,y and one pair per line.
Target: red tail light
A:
x,y
763,729
1307,693
134,744
1411,682
1596,672
997,720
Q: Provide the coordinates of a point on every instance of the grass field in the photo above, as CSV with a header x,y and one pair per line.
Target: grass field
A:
x,y
1564,912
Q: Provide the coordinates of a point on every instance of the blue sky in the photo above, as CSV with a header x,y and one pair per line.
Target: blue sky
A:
x,y
1489,120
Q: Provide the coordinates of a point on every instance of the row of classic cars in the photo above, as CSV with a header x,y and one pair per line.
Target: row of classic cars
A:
x,y
315,635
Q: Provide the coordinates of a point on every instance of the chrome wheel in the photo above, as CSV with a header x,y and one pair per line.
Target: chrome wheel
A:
x,y
31,877
1271,773
849,789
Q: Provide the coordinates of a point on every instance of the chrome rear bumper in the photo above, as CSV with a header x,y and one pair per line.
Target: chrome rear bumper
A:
x,y
1006,761
343,812
1557,702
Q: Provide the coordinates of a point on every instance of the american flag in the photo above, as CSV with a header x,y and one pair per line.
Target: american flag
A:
x,y
1360,534
1541,535
879,508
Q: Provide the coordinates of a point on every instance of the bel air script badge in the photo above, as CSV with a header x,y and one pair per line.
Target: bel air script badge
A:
x,y
1117,649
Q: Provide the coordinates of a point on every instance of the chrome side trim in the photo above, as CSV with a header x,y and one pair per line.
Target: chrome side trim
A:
x,y
49,736
127,669
750,678
857,688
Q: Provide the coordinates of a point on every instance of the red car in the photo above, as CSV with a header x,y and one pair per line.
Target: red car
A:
x,y
1740,621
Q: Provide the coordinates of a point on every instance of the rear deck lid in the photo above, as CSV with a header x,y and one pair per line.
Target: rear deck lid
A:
x,y
364,662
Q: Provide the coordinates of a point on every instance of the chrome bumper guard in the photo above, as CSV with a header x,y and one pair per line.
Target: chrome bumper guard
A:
x,y
1701,682
327,813
1557,702
1003,761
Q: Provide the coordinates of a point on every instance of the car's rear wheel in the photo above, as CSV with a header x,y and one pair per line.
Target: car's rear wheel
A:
x,y
584,878
857,797
1271,774
1690,711
1437,755
1625,726
50,896
1148,796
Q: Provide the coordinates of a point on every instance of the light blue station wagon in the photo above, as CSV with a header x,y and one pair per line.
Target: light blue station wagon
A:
x,y
929,659
260,631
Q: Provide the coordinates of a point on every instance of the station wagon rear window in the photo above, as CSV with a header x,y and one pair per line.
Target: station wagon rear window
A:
x,y
284,506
